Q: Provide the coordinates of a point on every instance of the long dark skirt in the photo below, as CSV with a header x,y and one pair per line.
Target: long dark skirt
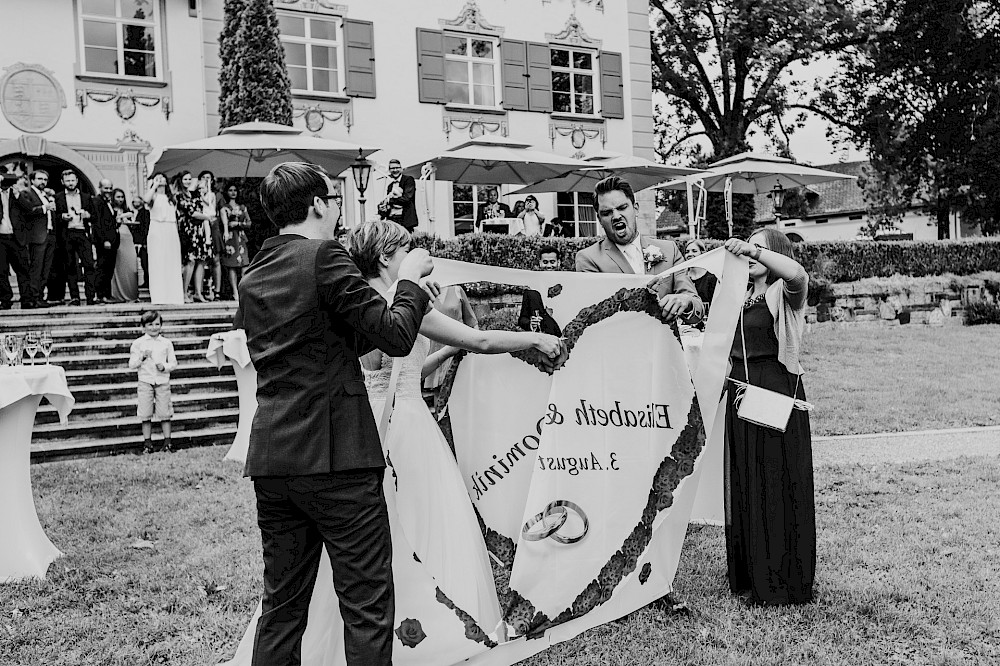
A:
x,y
770,507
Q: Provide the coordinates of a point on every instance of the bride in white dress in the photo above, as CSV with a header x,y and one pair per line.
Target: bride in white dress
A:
x,y
446,601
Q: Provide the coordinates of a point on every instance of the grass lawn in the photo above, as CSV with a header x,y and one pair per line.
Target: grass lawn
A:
x,y
865,379
909,573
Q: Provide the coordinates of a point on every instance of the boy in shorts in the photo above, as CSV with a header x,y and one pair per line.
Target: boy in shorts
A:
x,y
153,356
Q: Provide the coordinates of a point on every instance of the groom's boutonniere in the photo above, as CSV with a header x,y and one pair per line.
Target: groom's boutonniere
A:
x,y
651,255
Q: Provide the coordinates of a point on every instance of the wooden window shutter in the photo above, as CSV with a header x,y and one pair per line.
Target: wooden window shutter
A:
x,y
515,74
430,66
612,87
539,78
359,58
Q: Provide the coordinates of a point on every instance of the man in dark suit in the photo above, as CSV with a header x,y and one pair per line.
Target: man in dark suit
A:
x,y
491,210
315,456
140,232
534,315
104,233
624,250
73,217
13,247
401,192
35,211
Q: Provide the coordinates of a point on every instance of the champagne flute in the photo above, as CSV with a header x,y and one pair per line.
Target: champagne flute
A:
x,y
9,344
31,344
45,344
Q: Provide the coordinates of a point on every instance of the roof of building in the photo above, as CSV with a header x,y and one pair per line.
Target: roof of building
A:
x,y
837,197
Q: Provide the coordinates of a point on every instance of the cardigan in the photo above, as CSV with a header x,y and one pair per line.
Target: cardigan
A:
x,y
786,299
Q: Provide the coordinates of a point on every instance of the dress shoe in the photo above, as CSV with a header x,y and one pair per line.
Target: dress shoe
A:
x,y
75,301
6,306
53,304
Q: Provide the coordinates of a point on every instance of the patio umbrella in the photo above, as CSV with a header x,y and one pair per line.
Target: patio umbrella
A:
x,y
252,149
638,171
490,161
748,173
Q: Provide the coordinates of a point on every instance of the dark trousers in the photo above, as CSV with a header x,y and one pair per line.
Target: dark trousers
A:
x,y
55,270
39,264
80,254
105,268
297,516
144,262
13,256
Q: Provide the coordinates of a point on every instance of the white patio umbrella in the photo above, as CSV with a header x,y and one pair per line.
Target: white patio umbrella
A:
x,y
638,171
253,149
490,161
748,173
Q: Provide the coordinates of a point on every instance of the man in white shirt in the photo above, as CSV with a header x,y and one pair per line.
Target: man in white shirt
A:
x,y
13,249
624,250
74,210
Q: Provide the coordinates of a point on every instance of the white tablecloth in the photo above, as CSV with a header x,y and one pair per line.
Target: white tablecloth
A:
x,y
231,347
25,551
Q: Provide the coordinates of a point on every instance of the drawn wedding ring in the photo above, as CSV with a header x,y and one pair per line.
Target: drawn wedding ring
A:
x,y
548,528
566,504
559,508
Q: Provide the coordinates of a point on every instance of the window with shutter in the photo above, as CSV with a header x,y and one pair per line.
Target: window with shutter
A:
x,y
539,78
612,88
471,70
359,43
573,81
313,52
430,66
515,75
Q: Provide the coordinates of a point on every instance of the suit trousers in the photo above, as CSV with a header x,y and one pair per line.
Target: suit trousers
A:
x,y
346,513
39,264
106,259
80,254
55,270
13,256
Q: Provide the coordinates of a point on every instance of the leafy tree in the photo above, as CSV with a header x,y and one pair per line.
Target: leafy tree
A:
x,y
253,79
723,64
921,96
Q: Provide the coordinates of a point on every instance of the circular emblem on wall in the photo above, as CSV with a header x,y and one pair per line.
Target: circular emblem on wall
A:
x,y
314,120
30,97
125,106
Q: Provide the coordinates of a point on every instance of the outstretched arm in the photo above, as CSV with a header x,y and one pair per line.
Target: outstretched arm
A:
x,y
442,328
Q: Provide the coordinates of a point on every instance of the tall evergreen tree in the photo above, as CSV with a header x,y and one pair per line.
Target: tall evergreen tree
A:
x,y
228,69
253,80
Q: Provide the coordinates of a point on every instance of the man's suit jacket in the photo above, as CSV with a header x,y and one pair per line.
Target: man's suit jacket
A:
x,y
34,221
308,315
61,225
606,257
104,224
14,212
409,185
531,303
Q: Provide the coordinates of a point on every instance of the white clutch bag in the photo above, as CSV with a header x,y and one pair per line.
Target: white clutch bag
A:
x,y
763,407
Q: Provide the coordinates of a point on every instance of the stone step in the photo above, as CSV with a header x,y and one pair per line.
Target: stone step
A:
x,y
111,360
178,386
125,406
52,450
130,426
64,351
122,375
104,321
170,330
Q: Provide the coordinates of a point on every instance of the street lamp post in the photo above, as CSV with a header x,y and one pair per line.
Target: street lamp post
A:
x,y
361,169
777,199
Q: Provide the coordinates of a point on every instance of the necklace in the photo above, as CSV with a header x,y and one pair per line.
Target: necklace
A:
x,y
753,300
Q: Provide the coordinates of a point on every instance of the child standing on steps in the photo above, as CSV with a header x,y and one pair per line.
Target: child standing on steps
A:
x,y
153,356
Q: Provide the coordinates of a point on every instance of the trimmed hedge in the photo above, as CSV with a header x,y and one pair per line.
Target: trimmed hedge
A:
x,y
827,261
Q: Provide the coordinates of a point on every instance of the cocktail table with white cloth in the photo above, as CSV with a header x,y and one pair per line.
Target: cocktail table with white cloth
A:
x,y
231,346
25,551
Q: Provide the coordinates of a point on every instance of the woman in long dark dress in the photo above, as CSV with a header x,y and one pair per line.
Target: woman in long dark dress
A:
x,y
770,508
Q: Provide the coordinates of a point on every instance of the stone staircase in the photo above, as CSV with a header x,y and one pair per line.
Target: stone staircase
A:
x,y
92,344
